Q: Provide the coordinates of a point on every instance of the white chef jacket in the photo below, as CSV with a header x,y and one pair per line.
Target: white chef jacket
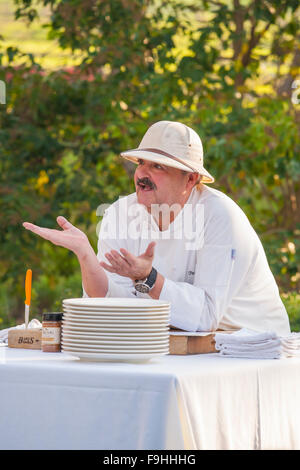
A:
x,y
215,269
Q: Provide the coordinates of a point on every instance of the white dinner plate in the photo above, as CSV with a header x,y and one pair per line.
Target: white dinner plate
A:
x,y
110,329
116,309
120,323
130,320
163,342
119,302
101,357
99,329
131,350
117,328
108,349
114,314
113,336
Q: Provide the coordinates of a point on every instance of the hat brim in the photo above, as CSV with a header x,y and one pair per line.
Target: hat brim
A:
x,y
135,155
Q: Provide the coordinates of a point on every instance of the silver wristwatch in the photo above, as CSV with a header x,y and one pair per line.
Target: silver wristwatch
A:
x,y
145,285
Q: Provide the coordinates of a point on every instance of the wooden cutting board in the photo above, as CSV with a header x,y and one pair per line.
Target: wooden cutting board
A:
x,y
183,342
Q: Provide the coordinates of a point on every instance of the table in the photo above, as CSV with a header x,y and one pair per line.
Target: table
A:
x,y
55,401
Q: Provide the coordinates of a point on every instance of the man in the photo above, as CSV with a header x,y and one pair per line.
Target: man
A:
x,y
178,240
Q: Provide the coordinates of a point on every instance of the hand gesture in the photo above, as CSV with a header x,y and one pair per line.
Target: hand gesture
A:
x,y
69,237
128,265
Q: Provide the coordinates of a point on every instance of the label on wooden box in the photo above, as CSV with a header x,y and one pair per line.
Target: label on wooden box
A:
x,y
30,338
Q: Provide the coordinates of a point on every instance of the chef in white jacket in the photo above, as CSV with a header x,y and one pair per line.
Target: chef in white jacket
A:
x,y
179,240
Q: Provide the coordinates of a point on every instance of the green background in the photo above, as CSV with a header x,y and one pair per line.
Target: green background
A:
x,y
85,80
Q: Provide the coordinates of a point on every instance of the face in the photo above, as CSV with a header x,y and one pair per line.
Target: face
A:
x,y
161,184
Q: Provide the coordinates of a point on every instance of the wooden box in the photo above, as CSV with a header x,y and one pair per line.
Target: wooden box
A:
x,y
193,343
30,338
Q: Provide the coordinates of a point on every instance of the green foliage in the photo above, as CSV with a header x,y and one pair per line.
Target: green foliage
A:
x,y
224,68
291,301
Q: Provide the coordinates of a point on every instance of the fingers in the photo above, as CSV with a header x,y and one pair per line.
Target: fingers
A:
x,y
110,258
33,228
30,226
107,267
117,263
150,250
42,232
128,256
70,237
117,258
63,222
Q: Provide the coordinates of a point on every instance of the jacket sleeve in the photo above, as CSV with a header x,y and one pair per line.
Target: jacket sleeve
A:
x,y
222,264
118,286
199,306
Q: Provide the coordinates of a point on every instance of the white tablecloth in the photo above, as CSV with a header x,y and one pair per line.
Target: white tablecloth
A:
x,y
54,401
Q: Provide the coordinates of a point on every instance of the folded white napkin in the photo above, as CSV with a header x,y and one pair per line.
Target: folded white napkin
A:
x,y
290,345
32,324
251,344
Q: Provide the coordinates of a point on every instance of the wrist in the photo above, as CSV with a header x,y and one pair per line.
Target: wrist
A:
x,y
84,251
142,276
157,288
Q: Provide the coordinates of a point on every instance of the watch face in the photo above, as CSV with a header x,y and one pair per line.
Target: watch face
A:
x,y
143,288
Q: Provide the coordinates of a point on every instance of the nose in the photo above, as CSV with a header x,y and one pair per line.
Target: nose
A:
x,y
143,170
143,175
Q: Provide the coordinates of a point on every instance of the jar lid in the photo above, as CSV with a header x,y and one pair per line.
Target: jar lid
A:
x,y
52,316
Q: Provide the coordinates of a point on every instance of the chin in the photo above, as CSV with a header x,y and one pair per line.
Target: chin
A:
x,y
145,198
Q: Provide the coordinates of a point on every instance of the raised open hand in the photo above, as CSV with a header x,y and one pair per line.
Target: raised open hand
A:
x,y
70,237
128,265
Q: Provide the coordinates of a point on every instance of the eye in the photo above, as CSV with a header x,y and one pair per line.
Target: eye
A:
x,y
157,165
140,161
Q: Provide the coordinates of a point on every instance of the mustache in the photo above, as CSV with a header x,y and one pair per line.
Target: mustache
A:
x,y
145,182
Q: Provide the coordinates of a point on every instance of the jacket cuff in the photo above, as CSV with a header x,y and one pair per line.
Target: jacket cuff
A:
x,y
182,316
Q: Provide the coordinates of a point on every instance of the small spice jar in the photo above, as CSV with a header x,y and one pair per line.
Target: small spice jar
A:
x,y
51,330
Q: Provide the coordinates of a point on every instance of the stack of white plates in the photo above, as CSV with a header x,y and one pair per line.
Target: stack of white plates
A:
x,y
116,329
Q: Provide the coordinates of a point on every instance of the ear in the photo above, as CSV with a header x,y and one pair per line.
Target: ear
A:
x,y
192,179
